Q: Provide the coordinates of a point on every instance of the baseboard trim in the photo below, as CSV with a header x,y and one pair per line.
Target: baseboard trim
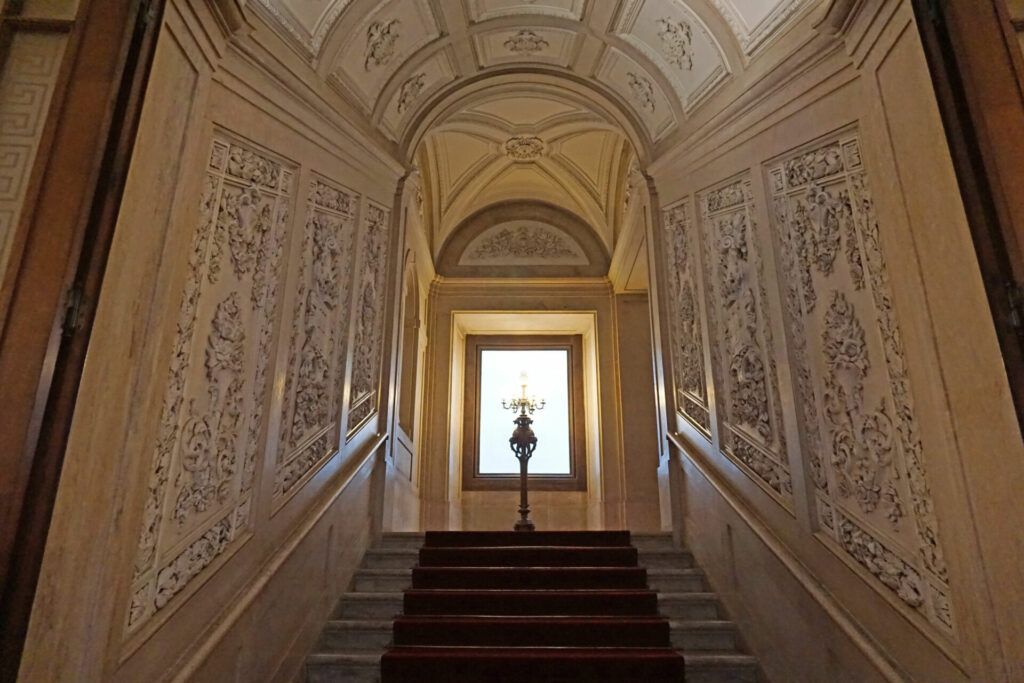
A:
x,y
803,575
273,565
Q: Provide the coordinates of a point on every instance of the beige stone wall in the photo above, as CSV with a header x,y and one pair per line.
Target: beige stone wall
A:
x,y
834,384
225,469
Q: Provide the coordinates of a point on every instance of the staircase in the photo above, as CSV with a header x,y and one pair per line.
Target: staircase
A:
x,y
462,606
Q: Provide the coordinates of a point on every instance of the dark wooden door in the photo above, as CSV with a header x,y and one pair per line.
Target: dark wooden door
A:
x,y
78,76
975,54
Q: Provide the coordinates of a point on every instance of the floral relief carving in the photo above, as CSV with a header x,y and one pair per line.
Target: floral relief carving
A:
x,y
687,343
677,41
858,424
203,470
862,440
369,316
409,91
523,241
526,41
524,148
743,348
381,40
641,90
315,372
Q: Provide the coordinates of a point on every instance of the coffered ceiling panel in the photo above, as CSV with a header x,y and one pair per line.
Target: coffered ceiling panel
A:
x,y
680,45
482,10
546,45
527,111
306,23
641,91
380,45
433,74
755,21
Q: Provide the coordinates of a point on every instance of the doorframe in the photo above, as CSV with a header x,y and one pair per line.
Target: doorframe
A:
x,y
977,69
49,319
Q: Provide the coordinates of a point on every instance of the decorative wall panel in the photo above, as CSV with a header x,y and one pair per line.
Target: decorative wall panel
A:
x,y
686,328
26,88
370,310
742,349
316,367
203,473
853,389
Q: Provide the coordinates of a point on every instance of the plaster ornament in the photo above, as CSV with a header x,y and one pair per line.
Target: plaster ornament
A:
x,y
523,241
677,41
742,348
409,91
381,38
642,91
524,148
369,316
211,426
686,330
858,424
526,41
315,372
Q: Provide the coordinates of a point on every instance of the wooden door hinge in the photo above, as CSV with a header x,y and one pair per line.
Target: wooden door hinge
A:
x,y
74,311
1015,294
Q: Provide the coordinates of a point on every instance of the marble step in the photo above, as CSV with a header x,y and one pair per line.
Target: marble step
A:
x,y
720,668
348,635
381,606
400,540
689,606
365,668
690,580
354,635
704,636
361,667
382,580
664,580
666,559
391,558
653,541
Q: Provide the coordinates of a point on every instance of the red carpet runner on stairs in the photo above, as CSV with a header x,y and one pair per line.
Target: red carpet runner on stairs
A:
x,y
530,606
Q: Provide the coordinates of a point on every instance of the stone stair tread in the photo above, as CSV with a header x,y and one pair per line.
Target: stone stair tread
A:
x,y
702,624
357,636
364,657
696,595
707,659
360,623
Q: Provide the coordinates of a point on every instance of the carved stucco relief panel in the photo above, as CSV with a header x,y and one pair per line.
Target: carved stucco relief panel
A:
x,y
315,373
855,404
203,470
686,327
369,314
742,346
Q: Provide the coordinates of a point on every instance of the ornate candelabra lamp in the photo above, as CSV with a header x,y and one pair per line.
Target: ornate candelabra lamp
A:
x,y
523,443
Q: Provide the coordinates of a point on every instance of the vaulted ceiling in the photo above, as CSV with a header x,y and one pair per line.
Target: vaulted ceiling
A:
x,y
549,100
657,60
524,141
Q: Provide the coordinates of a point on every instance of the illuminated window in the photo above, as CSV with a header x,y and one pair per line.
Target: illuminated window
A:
x,y
494,372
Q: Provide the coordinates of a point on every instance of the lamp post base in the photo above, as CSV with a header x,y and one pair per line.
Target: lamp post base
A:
x,y
525,525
